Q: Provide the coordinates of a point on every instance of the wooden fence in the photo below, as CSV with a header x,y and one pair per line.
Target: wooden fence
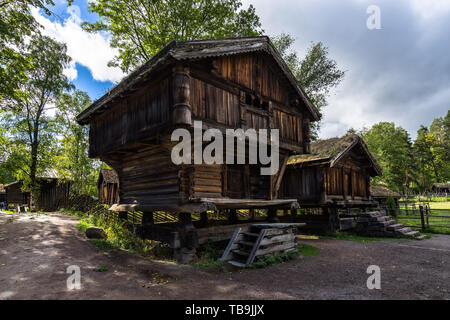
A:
x,y
419,215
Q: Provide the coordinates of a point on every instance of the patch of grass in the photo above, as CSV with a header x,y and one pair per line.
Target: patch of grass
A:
x,y
440,205
308,251
208,255
104,244
274,259
119,237
101,269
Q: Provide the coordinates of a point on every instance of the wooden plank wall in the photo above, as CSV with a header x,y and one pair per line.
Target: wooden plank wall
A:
x,y
303,184
130,119
53,194
212,103
149,177
255,72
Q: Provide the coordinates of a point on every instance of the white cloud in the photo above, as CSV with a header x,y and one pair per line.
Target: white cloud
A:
x,y
90,50
71,71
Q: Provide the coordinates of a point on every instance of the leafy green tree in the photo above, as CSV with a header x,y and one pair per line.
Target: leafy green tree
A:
x,y
139,29
16,24
316,73
427,172
27,110
392,147
439,144
72,160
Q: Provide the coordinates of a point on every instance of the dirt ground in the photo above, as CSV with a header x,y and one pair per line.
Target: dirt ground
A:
x,y
35,252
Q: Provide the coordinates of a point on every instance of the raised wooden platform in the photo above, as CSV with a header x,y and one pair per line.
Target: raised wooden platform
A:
x,y
199,205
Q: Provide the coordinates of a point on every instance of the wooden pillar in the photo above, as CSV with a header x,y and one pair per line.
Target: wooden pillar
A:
x,y
232,216
272,215
251,214
333,220
181,96
123,216
147,218
204,219
306,136
188,238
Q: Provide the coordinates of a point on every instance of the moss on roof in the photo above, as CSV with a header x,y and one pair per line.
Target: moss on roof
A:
x,y
380,191
325,149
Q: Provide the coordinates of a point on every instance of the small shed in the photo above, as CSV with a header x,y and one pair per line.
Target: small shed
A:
x,y
380,194
336,173
53,192
2,193
441,188
108,187
15,195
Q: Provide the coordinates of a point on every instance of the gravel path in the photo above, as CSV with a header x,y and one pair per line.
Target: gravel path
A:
x,y
35,252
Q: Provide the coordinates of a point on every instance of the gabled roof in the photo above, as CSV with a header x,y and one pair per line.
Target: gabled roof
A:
x,y
12,184
331,151
108,175
2,188
199,49
48,174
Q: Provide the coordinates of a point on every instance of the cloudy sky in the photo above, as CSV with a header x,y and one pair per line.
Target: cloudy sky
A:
x,y
398,73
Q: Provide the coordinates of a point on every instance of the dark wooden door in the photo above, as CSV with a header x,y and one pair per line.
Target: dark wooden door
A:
x,y
347,183
237,182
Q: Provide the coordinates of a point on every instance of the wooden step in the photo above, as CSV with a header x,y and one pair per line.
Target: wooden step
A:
x,y
394,227
412,233
251,234
237,264
247,243
403,230
241,253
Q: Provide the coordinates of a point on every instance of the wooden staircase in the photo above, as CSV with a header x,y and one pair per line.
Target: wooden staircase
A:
x,y
259,240
377,224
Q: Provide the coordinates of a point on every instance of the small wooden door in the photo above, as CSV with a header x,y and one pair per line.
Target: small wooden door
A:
x,y
347,183
237,181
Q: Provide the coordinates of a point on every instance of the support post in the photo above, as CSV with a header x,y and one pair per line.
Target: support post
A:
x,y
232,216
188,238
422,218
123,216
147,218
252,214
272,215
333,220
306,136
181,96
204,219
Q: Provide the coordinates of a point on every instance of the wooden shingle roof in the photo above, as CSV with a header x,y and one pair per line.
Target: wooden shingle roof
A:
x,y
194,50
109,176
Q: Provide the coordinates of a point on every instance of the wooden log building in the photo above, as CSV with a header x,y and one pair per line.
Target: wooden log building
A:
x,y
15,195
53,192
227,84
441,188
108,187
2,194
335,175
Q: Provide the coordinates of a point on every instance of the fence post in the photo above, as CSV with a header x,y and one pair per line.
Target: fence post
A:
x,y
427,211
422,218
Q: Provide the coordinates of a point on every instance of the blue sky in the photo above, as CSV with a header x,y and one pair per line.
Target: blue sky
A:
x,y
398,73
